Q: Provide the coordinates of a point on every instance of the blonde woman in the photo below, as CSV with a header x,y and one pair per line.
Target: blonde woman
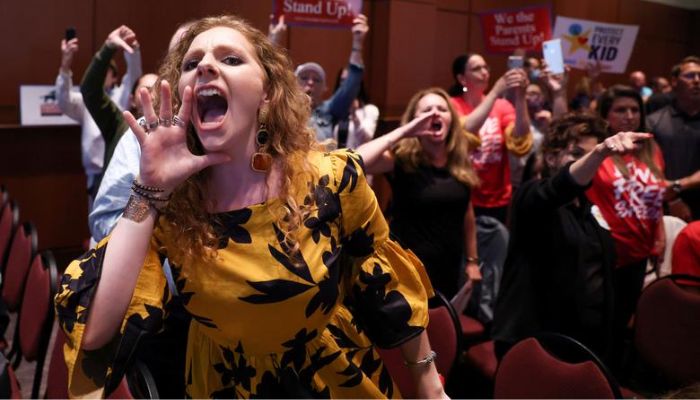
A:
x,y
431,180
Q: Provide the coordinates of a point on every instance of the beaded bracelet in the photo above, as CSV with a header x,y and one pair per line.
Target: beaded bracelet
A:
x,y
149,195
147,188
429,359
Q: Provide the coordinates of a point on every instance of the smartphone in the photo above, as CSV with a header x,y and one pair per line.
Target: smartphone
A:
x,y
551,49
70,33
515,62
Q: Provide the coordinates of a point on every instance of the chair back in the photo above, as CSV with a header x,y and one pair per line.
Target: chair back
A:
x,y
57,379
686,252
9,219
563,368
672,227
667,327
138,383
37,313
22,250
444,334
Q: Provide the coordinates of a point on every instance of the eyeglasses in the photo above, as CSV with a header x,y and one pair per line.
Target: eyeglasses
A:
x,y
691,75
306,78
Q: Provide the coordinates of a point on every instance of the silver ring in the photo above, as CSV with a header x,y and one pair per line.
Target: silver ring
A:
x,y
143,125
166,122
179,122
152,125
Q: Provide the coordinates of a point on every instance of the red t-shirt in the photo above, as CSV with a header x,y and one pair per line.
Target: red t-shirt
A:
x,y
490,160
632,207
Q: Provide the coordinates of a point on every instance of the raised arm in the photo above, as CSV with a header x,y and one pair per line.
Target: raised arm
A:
x,y
516,80
165,163
276,29
339,104
585,168
475,119
133,73
557,85
70,103
547,195
376,153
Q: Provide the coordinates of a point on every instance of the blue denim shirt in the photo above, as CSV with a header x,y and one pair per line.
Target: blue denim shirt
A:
x,y
115,188
337,107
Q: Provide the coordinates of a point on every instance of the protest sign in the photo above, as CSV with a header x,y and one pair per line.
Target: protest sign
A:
x,y
587,42
526,28
320,13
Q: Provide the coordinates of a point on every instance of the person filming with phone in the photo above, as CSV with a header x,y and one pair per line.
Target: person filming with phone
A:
x,y
501,127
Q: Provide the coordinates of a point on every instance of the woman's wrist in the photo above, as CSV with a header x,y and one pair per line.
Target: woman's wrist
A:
x,y
429,385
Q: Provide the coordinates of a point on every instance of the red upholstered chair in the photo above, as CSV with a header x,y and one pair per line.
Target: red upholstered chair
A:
x,y
444,334
472,329
9,219
57,379
22,250
553,366
482,358
37,314
667,327
11,388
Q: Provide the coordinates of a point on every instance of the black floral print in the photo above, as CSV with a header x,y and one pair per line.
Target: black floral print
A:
x,y
228,226
301,321
384,316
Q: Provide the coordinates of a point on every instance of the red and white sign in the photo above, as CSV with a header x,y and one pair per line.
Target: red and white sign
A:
x,y
526,28
321,13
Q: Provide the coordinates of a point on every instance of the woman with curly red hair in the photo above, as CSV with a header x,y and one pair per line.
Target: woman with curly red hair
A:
x,y
277,250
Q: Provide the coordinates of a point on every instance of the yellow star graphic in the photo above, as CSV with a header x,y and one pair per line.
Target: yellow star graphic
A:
x,y
578,42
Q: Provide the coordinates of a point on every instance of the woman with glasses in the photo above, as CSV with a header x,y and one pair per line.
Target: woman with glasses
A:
x,y
558,275
499,125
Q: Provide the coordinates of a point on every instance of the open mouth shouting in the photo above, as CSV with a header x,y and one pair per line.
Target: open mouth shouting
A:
x,y
212,107
436,126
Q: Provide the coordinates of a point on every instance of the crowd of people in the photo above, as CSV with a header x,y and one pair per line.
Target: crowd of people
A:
x,y
239,244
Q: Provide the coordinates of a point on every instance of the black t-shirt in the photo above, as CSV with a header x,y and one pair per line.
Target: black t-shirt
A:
x,y
678,135
428,211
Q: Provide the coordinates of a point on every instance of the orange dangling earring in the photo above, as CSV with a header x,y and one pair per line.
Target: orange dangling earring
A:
x,y
261,160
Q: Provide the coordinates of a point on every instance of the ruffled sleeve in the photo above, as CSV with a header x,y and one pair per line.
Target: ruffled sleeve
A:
x,y
95,373
518,145
473,139
390,289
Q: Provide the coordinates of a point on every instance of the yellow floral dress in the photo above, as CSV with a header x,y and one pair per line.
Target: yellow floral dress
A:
x,y
266,322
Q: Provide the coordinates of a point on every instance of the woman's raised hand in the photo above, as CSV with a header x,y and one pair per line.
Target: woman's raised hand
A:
x,y
166,161
122,38
516,79
623,143
419,125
